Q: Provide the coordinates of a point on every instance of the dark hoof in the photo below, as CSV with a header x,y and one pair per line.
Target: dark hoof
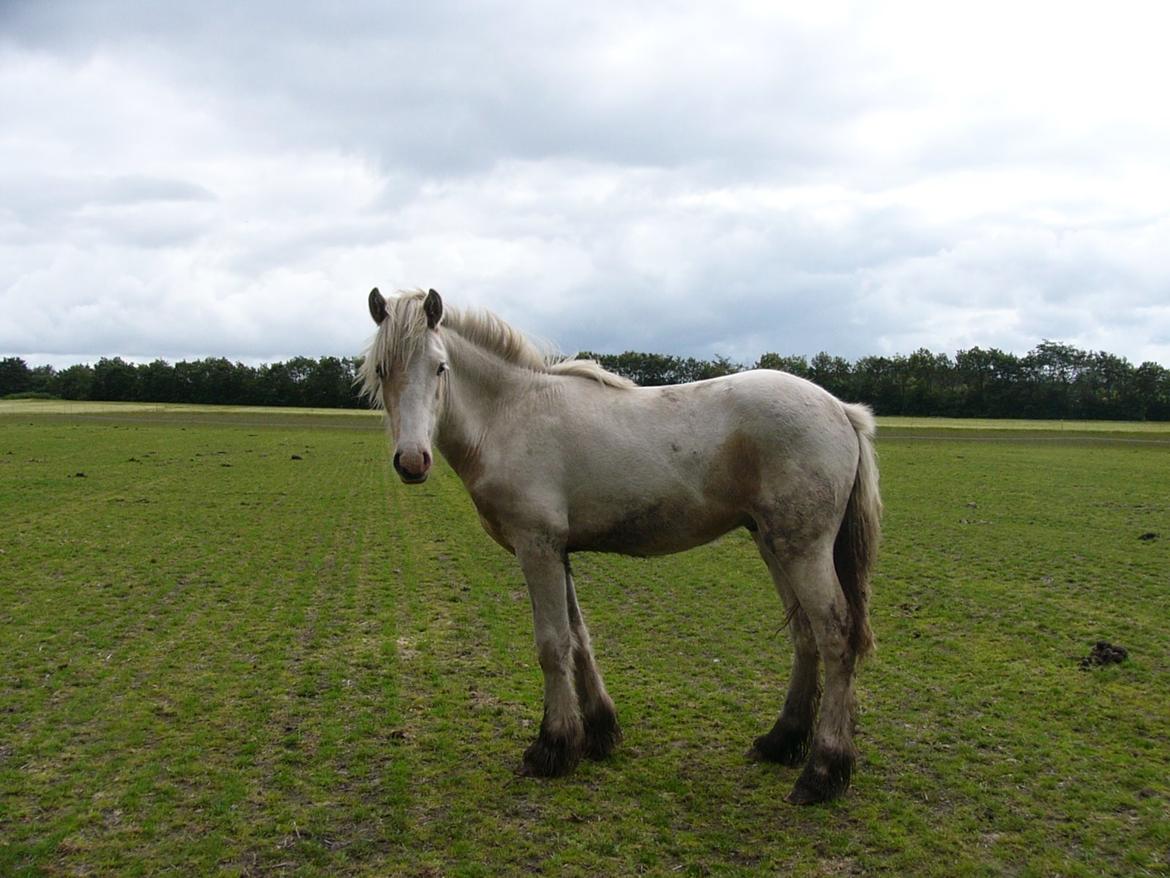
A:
x,y
602,734
825,777
787,746
551,756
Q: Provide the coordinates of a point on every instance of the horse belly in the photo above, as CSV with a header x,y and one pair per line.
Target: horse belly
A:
x,y
662,527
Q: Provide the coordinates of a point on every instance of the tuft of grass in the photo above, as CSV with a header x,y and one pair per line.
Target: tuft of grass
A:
x,y
218,659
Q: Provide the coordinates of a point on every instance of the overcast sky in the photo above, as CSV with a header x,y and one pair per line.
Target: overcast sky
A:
x,y
231,178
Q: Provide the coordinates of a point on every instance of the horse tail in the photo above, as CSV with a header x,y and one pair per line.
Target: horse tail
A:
x,y
855,549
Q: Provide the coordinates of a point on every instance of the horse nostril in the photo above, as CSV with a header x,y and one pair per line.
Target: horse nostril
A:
x,y
398,460
426,460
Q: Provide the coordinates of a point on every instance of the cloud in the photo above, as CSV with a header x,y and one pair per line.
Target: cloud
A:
x,y
231,179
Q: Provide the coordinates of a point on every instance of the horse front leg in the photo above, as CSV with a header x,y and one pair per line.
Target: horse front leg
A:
x,y
558,747
602,732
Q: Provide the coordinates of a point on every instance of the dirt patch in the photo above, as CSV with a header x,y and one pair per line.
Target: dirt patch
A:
x,y
1104,653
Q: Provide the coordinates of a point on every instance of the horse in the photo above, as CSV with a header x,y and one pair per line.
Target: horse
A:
x,y
562,456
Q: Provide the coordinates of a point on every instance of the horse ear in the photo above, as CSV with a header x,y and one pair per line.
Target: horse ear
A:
x,y
377,306
433,308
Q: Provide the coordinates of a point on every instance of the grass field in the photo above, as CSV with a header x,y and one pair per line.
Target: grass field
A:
x,y
231,643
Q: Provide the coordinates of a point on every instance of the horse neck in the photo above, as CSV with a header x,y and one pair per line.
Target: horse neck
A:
x,y
481,387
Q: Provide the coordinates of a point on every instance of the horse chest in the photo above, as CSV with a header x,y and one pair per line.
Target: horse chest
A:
x,y
494,531
495,506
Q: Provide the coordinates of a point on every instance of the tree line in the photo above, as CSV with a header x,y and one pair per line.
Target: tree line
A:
x,y
327,382
1052,381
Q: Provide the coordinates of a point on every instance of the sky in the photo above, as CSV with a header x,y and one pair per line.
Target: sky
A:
x,y
231,179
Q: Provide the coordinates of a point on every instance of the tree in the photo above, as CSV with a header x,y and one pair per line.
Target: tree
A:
x,y
187,381
647,370
1104,388
929,388
218,381
114,380
327,384
793,364
1050,370
15,376
879,381
717,368
75,382
299,370
157,382
832,373
353,396
41,379
1152,385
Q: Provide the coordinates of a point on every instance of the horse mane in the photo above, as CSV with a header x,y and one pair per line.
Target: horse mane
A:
x,y
400,333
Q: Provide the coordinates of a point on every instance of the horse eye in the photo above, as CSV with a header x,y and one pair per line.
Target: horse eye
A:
x,y
380,371
442,368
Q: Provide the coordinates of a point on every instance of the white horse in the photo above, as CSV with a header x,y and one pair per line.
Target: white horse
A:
x,y
563,456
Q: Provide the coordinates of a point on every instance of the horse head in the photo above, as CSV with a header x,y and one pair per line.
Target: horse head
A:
x,y
409,375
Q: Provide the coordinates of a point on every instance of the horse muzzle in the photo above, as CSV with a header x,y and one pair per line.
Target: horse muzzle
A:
x,y
413,467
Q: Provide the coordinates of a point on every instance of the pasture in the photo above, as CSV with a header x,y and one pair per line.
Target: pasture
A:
x,y
232,643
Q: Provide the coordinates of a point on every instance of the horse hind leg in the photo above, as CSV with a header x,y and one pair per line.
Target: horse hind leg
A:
x,y
790,737
829,768
602,732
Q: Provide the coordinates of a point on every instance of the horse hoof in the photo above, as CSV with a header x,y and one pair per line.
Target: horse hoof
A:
x,y
550,756
801,795
602,734
825,777
785,747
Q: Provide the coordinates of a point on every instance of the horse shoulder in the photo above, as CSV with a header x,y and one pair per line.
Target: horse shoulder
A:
x,y
511,509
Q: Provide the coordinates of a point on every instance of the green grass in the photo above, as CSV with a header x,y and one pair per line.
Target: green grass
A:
x,y
1155,429
218,659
